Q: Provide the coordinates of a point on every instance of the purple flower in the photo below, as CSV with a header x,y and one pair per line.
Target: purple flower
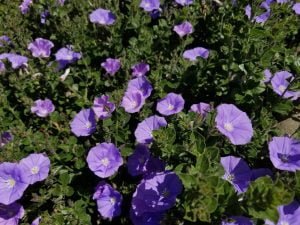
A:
x,y
288,214
108,200
280,84
237,172
234,124
11,214
111,65
36,221
141,162
2,67
171,104
103,108
4,40
261,172
44,16
17,61
237,220
5,138
285,153
192,54
155,14
184,2
65,56
140,84
201,108
157,192
24,7
248,11
146,218
104,159
183,29
84,123
61,2
35,167
296,8
143,132
140,69
150,5
262,18
282,1
268,75
133,101
11,183
43,108
103,17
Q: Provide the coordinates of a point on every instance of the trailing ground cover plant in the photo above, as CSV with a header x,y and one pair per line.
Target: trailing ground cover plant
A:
x,y
149,112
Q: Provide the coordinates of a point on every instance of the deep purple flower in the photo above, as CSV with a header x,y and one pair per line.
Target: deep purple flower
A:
x,y
148,218
103,108
35,167
2,67
248,10
280,84
5,138
11,214
234,124
261,172
184,28
143,132
184,2
140,84
65,56
140,69
43,108
4,40
24,7
192,54
285,153
237,172
103,17
104,159
17,61
84,123
201,108
108,200
111,65
44,16
288,214
268,75
155,14
237,220
171,104
157,192
36,221
150,5
133,101
296,8
11,183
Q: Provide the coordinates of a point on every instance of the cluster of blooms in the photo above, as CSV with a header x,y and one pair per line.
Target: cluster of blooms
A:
x,y
262,18
14,180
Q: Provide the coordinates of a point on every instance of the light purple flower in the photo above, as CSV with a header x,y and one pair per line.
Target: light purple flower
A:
x,y
108,200
268,75
140,69
24,7
61,2
296,8
237,172
35,167
84,123
43,108
285,153
44,16
104,159
133,101
184,2
260,172
201,108
280,84
150,5
17,61
248,10
171,104
234,124
4,40
237,220
143,132
103,108
41,48
192,54
5,138
11,183
282,1
2,67
184,28
102,16
36,221
262,18
111,65
140,84
11,214
65,56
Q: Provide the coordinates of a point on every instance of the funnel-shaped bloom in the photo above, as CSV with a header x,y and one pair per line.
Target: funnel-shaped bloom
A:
x,y
103,17
192,54
201,108
171,104
43,108
41,48
111,66
183,29
11,214
103,108
150,5
140,69
84,123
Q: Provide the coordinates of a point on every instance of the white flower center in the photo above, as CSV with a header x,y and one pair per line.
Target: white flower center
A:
x,y
170,107
133,104
282,88
230,177
11,183
112,200
88,124
284,223
228,127
105,161
35,170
